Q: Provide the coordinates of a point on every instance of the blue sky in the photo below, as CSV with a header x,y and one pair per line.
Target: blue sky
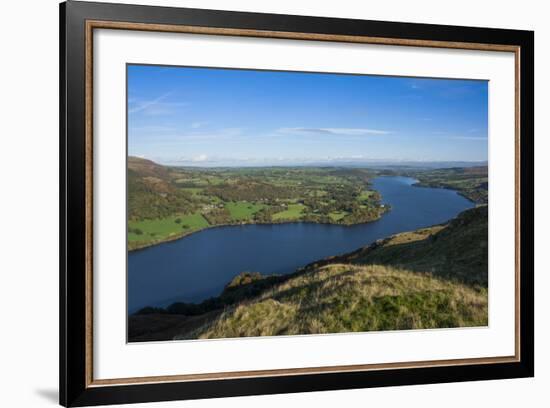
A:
x,y
221,117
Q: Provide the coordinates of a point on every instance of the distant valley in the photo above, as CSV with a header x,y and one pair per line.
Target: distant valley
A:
x,y
167,203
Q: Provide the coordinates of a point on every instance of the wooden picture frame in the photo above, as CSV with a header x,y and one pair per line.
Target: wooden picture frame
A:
x,y
78,20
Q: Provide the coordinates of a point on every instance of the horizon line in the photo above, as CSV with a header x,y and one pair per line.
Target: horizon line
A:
x,y
334,163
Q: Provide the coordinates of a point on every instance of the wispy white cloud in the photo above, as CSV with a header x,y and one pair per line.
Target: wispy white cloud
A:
x,y
156,106
336,131
196,125
142,105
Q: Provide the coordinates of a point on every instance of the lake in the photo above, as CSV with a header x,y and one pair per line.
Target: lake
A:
x,y
198,266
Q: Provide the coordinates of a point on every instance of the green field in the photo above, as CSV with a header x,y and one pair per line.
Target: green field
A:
x,y
293,212
164,228
243,210
366,195
337,216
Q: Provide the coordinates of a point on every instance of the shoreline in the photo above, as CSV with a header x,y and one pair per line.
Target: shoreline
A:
x,y
460,193
423,184
187,234
417,183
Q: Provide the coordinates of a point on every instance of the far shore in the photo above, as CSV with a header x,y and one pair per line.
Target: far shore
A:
x,y
171,238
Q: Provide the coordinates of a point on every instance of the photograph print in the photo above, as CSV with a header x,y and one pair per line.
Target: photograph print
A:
x,y
267,203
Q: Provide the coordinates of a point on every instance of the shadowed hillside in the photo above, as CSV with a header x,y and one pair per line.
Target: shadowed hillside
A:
x,y
430,278
151,192
457,251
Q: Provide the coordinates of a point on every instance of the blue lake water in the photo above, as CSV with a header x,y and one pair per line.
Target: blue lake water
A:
x,y
198,266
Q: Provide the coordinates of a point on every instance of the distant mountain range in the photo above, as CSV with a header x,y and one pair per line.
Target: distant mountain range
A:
x,y
329,162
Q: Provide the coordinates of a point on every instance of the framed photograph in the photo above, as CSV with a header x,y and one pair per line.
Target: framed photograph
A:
x,y
256,203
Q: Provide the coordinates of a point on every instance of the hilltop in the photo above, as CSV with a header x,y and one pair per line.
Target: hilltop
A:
x,y
429,278
146,168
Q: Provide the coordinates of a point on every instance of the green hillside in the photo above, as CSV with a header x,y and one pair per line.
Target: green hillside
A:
x,y
471,182
167,203
430,278
457,251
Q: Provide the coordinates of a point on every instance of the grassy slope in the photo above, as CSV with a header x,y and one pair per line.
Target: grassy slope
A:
x,y
430,278
347,298
457,251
